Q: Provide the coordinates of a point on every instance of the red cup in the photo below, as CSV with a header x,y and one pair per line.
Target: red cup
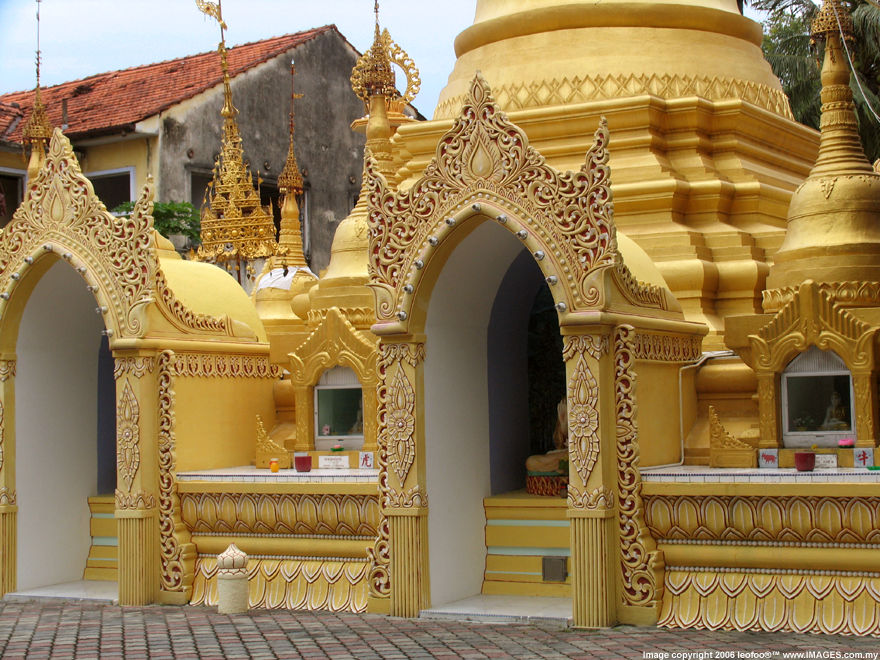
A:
x,y
303,463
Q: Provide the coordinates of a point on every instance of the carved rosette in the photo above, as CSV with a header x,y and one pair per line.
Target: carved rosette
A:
x,y
128,454
397,421
640,562
583,402
484,164
175,548
61,213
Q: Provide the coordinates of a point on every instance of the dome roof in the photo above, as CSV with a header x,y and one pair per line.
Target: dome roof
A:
x,y
538,53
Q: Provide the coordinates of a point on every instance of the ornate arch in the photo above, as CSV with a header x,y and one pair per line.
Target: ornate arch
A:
x,y
62,216
485,167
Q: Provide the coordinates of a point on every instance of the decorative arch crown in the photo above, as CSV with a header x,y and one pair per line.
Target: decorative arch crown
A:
x,y
485,166
62,214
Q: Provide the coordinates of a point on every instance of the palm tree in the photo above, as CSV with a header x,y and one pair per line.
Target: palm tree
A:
x,y
795,60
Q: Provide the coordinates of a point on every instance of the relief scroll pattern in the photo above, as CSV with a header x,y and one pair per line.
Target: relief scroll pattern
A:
x,y
128,454
640,559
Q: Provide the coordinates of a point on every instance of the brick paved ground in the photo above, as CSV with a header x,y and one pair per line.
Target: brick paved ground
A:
x,y
67,630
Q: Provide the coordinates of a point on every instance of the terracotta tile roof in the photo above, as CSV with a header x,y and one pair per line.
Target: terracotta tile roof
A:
x,y
115,101
11,118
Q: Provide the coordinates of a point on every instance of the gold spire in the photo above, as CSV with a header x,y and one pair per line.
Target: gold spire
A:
x,y
236,228
37,130
290,184
833,232
840,149
373,81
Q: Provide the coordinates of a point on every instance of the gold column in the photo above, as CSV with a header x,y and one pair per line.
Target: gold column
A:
x,y
8,506
865,404
401,435
767,410
591,443
137,477
305,418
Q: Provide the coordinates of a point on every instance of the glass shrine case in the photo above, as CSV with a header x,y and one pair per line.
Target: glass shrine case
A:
x,y
339,410
816,401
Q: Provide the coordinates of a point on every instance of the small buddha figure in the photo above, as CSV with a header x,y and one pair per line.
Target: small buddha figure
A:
x,y
549,463
835,415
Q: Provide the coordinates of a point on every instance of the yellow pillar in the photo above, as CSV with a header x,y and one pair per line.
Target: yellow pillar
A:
x,y
591,444
401,436
137,478
8,506
865,393
304,404
767,405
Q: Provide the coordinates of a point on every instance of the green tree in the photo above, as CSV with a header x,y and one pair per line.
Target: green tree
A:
x,y
171,218
797,63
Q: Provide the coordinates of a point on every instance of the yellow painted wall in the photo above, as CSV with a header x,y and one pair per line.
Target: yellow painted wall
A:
x,y
657,398
140,153
216,420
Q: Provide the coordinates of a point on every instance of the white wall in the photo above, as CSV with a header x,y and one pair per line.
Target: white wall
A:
x,y
55,419
456,413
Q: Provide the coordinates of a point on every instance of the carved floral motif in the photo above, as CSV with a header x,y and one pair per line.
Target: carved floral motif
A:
x,y
583,402
7,496
397,405
640,560
128,453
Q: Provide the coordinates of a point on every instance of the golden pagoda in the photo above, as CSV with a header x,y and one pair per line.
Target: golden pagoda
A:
x,y
236,228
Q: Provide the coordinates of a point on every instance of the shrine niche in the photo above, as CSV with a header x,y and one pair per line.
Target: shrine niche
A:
x,y
815,364
335,344
486,198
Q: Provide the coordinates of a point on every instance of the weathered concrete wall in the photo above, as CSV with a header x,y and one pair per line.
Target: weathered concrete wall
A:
x,y
328,152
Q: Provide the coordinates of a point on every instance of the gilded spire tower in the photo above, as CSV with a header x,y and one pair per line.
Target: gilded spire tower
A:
x,y
834,218
236,229
37,130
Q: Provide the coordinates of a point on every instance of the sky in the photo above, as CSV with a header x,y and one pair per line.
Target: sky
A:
x,y
79,38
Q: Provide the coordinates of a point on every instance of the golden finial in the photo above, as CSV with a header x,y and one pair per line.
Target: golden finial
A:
x,y
373,74
236,228
290,180
840,147
37,130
